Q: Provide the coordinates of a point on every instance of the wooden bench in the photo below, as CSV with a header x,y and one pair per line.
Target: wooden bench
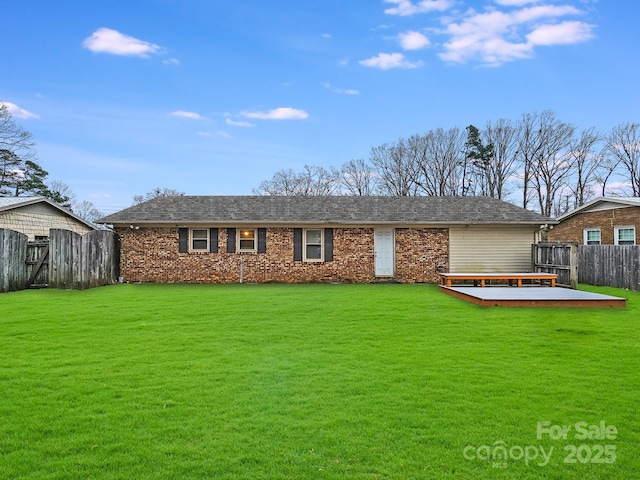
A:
x,y
446,279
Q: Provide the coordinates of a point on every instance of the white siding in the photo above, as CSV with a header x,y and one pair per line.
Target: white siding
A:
x,y
493,248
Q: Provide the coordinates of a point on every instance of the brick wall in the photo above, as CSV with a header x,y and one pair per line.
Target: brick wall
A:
x,y
571,230
419,251
151,255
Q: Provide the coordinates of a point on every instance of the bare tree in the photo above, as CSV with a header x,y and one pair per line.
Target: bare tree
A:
x,y
552,167
441,170
87,210
284,182
609,165
542,142
624,145
586,157
312,181
396,171
13,137
319,181
529,144
357,178
502,166
155,193
16,148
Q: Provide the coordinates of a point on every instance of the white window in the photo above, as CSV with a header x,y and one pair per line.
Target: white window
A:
x,y
313,245
624,235
199,240
247,239
592,236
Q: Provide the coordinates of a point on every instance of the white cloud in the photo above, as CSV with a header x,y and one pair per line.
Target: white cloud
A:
x,y
341,91
407,7
495,37
565,32
239,123
413,40
387,61
533,14
191,115
515,3
282,113
106,40
171,62
18,112
217,133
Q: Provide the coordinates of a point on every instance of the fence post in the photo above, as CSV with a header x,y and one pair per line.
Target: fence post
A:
x,y
573,266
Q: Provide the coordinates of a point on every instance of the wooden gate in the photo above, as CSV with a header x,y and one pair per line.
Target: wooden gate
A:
x,y
37,264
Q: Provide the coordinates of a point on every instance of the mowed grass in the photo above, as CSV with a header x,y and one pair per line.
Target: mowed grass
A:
x,y
310,381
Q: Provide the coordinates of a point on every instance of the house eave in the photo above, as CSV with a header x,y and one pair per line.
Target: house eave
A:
x,y
327,223
621,202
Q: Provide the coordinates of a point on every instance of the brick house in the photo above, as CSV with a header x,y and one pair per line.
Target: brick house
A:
x,y
225,239
603,221
35,216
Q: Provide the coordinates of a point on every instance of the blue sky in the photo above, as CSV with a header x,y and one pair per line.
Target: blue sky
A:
x,y
213,96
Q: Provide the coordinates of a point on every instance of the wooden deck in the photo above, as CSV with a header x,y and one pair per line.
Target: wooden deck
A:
x,y
448,279
532,297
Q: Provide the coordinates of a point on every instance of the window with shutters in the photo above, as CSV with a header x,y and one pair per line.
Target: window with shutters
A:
x,y
247,240
313,245
199,240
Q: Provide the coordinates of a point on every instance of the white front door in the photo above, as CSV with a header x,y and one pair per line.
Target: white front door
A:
x,y
384,252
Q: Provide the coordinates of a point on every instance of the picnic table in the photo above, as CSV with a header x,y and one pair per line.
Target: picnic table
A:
x,y
447,279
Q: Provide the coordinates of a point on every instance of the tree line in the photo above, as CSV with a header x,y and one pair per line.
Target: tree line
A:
x,y
538,161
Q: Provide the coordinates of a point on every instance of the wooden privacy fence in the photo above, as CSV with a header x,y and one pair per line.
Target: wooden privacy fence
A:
x,y
82,261
558,258
602,265
13,255
610,265
67,261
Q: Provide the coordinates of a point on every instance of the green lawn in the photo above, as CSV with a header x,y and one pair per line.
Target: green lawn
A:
x,y
312,382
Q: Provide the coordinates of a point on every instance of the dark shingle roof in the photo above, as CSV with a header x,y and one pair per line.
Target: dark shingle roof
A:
x,y
325,210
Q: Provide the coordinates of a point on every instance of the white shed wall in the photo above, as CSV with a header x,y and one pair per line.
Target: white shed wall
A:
x,y
491,248
38,224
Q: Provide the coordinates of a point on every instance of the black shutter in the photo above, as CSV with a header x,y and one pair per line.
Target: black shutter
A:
x,y
297,244
213,240
231,240
262,240
183,240
328,244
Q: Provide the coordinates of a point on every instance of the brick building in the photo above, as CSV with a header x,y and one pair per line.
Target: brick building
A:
x,y
321,239
603,221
